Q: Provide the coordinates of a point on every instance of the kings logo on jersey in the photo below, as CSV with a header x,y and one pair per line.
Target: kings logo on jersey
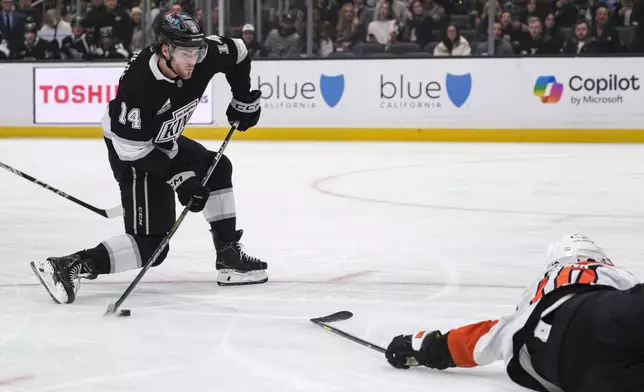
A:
x,y
171,129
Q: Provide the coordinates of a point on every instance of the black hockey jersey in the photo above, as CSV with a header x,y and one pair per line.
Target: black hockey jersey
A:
x,y
76,48
144,121
117,52
41,50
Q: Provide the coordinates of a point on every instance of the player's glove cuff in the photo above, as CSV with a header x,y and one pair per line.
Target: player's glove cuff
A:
x,y
245,110
433,350
178,179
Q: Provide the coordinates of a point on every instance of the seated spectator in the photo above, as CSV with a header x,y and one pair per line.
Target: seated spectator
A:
x,y
76,46
324,45
12,24
481,8
25,7
140,39
384,30
611,5
501,46
457,7
624,14
587,11
637,46
363,11
483,21
120,21
109,47
33,47
284,41
5,53
54,28
531,11
605,34
325,11
565,13
435,11
512,30
536,43
348,28
452,44
553,34
397,8
419,26
255,49
581,41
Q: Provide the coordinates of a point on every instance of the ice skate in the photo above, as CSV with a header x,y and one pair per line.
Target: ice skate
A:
x,y
235,267
60,276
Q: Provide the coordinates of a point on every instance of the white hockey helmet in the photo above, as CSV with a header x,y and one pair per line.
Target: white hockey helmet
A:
x,y
574,248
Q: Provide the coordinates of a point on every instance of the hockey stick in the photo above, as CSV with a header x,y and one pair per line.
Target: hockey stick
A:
x,y
345,315
114,306
339,316
109,213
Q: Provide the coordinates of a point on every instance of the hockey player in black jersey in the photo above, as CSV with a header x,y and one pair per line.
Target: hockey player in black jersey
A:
x,y
76,46
34,47
158,92
108,47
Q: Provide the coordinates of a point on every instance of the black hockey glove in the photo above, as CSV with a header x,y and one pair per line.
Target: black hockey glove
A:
x,y
192,189
433,353
400,354
246,110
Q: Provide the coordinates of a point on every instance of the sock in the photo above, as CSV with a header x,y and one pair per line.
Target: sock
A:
x,y
225,229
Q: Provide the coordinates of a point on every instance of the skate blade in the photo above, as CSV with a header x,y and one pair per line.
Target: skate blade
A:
x,y
42,282
228,277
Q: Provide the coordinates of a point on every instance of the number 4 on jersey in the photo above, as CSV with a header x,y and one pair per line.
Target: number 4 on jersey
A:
x,y
133,117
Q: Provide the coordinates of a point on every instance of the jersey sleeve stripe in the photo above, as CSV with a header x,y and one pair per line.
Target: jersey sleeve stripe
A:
x,y
127,150
462,342
242,52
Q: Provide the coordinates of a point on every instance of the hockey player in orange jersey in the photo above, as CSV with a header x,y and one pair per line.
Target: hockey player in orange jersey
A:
x,y
578,328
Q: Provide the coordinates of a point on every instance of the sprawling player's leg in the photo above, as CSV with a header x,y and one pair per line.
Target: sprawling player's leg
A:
x,y
233,264
148,214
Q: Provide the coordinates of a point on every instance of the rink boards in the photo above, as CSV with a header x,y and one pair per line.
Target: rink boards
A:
x,y
463,99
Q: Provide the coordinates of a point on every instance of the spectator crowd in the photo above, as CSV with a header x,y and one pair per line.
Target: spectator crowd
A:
x,y
112,29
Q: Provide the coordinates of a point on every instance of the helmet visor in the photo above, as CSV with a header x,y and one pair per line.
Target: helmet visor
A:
x,y
187,54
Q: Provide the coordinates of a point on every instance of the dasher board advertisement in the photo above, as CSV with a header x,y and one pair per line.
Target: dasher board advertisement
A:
x,y
79,95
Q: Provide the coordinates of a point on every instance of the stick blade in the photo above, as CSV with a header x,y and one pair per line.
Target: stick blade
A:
x,y
111,309
338,316
114,212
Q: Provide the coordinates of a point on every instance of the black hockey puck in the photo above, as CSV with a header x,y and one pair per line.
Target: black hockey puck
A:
x,y
125,312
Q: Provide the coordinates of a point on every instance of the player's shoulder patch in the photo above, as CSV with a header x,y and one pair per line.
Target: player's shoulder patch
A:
x,y
215,38
229,46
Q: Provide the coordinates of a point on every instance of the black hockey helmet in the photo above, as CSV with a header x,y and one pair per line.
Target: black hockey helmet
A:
x,y
31,28
182,30
77,21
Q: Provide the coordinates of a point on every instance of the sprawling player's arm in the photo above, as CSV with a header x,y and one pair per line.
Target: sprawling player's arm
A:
x,y
468,346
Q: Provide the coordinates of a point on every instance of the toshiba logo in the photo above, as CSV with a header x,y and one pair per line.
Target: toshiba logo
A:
x,y
78,94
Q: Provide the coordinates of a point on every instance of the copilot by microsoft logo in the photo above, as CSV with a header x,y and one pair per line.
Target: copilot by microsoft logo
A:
x,y
547,89
589,89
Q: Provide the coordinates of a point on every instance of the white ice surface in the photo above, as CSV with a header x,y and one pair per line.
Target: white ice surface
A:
x,y
407,236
